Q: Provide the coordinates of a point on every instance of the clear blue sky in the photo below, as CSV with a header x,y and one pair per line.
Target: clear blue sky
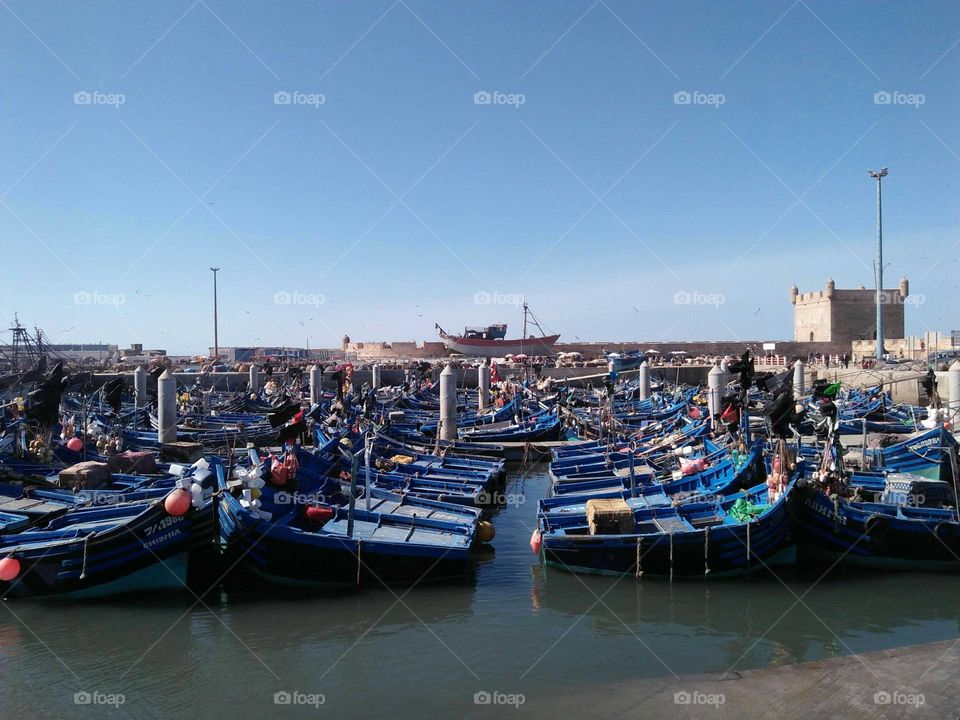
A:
x,y
398,198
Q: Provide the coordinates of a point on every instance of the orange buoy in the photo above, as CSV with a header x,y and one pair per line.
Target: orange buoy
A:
x,y
9,568
177,503
536,542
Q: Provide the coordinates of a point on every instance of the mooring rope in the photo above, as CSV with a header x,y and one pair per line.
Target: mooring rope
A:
x,y
83,568
359,548
671,556
706,551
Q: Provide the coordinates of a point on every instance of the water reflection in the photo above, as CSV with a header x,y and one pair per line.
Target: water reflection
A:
x,y
515,626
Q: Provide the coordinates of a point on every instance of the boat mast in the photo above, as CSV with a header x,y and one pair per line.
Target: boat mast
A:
x,y
523,336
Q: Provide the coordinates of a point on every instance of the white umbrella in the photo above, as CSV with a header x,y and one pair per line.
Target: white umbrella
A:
x,y
679,352
651,351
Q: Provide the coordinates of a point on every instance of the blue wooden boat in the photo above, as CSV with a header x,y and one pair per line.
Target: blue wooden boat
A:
x,y
318,544
690,540
722,478
874,534
98,551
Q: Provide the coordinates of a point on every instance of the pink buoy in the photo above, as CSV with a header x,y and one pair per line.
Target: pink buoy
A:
x,y
75,444
536,542
177,503
9,568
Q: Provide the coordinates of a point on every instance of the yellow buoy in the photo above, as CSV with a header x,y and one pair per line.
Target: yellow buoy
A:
x,y
485,531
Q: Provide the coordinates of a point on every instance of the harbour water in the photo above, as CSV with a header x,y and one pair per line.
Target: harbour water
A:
x,y
533,641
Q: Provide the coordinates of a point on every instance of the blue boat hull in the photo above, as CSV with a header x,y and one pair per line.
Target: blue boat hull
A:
x,y
856,534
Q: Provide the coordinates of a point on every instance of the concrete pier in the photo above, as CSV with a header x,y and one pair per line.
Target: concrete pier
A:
x,y
868,686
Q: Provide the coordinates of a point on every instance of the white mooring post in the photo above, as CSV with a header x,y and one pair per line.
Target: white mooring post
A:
x,y
140,387
448,404
315,389
798,379
167,407
483,385
644,375
714,392
953,381
376,377
254,384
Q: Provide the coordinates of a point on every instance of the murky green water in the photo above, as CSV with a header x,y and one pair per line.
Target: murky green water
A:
x,y
515,629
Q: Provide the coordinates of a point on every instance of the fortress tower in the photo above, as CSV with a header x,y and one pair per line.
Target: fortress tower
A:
x,y
842,316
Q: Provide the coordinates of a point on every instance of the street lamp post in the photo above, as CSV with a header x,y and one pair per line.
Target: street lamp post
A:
x,y
878,176
216,339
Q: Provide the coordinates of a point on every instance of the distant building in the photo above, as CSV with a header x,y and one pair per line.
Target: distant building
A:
x,y
843,316
251,353
99,352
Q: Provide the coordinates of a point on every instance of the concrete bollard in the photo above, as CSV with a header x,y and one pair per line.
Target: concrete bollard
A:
x,y
315,385
644,375
953,382
448,404
714,390
254,384
140,387
798,379
376,377
483,385
167,407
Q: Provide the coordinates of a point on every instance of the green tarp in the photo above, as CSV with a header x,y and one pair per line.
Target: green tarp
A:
x,y
743,510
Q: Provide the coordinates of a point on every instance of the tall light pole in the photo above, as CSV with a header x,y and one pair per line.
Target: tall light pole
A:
x,y
878,176
216,339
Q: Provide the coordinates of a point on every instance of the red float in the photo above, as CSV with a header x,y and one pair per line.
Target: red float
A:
x,y
9,568
536,542
177,503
